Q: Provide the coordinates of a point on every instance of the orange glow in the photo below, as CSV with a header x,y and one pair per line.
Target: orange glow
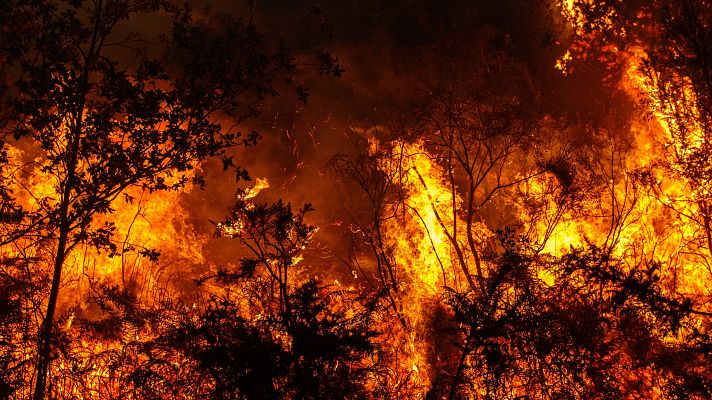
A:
x,y
660,222
629,194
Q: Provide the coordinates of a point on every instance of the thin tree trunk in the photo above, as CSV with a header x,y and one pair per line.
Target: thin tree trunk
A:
x,y
45,346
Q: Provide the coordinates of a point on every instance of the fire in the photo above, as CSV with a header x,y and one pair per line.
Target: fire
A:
x,y
419,244
152,235
663,207
435,250
234,228
260,184
420,235
675,197
422,243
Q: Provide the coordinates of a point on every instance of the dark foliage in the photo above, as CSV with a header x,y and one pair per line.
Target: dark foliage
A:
x,y
601,331
98,108
281,339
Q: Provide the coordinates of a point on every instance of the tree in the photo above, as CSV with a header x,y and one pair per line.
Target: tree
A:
x,y
452,194
579,338
677,73
326,331
668,43
264,331
440,184
99,109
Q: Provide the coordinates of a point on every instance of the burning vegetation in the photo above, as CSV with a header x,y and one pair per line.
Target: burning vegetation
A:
x,y
521,210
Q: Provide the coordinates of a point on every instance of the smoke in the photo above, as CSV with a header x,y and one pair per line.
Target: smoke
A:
x,y
391,53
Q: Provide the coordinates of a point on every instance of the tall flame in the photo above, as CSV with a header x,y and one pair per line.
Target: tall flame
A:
x,y
656,204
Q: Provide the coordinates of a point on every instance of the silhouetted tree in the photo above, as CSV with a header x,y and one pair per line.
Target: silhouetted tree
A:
x,y
265,332
677,69
600,331
605,326
676,45
381,191
99,108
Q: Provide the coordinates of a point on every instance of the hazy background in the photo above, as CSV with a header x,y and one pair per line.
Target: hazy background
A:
x,y
390,51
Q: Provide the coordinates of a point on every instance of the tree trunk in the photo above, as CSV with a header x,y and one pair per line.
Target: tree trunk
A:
x,y
44,350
